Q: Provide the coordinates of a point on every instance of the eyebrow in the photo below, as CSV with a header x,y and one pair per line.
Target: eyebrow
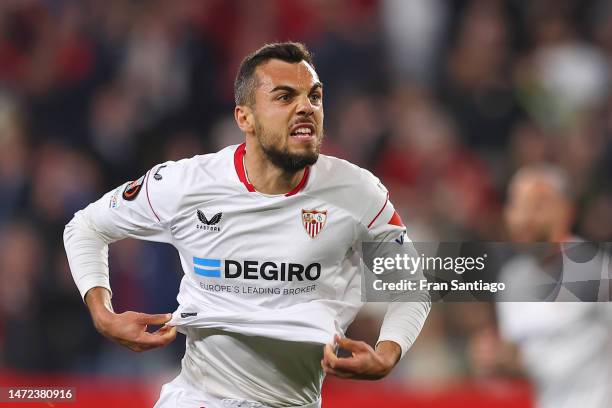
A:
x,y
290,89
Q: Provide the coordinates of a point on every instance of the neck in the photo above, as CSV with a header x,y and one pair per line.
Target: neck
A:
x,y
265,176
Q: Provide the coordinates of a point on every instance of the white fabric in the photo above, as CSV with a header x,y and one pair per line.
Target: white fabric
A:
x,y
272,372
258,232
180,394
566,347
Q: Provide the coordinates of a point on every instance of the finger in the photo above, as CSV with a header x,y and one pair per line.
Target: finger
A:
x,y
326,356
147,341
329,357
165,328
334,372
348,364
155,340
350,344
168,335
155,319
330,360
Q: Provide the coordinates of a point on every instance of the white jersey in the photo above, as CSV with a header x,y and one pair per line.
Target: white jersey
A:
x,y
565,346
277,267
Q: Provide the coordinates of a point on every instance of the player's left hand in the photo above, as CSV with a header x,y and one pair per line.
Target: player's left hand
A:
x,y
365,363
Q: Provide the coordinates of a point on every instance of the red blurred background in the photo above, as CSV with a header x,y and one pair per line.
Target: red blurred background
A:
x,y
443,100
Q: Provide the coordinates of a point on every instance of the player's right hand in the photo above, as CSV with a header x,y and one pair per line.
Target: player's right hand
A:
x,y
130,330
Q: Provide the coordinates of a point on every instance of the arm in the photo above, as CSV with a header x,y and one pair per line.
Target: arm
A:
x,y
401,326
86,240
365,363
128,328
405,315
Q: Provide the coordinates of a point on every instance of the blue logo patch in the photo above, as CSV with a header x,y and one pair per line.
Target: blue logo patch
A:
x,y
211,268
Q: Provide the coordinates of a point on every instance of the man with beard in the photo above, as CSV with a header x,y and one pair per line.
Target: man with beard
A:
x,y
267,232
551,327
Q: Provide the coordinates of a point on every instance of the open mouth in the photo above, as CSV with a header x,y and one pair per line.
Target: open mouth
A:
x,y
302,131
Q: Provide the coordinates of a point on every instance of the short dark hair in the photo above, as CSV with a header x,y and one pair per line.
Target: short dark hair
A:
x,y
245,82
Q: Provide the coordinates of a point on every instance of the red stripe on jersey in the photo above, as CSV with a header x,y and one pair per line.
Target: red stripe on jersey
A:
x,y
239,165
148,199
241,171
396,220
301,184
381,210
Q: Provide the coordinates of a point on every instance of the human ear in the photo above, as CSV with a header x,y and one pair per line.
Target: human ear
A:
x,y
244,118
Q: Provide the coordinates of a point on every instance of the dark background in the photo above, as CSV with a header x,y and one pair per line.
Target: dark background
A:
x,y
443,100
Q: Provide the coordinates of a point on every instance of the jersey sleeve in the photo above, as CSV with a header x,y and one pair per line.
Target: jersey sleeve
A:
x,y
383,226
381,221
141,209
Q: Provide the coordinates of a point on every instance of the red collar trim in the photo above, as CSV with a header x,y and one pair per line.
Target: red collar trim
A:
x,y
241,172
239,165
301,184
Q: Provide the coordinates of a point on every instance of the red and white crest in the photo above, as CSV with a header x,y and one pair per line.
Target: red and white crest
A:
x,y
313,221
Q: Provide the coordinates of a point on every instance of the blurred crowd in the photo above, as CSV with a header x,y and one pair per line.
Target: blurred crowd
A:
x,y
443,100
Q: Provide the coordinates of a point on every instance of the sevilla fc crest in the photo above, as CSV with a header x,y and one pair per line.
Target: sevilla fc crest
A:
x,y
313,221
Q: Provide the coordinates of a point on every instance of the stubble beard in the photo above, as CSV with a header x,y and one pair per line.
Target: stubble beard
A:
x,y
282,157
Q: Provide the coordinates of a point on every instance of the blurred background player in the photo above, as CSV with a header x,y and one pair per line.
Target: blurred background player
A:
x,y
564,346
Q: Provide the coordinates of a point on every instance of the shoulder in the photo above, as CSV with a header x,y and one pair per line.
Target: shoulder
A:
x,y
354,188
184,172
167,184
342,173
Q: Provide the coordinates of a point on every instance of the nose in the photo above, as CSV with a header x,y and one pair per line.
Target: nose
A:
x,y
304,106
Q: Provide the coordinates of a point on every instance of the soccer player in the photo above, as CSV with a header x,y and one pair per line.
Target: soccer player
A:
x,y
563,346
268,234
